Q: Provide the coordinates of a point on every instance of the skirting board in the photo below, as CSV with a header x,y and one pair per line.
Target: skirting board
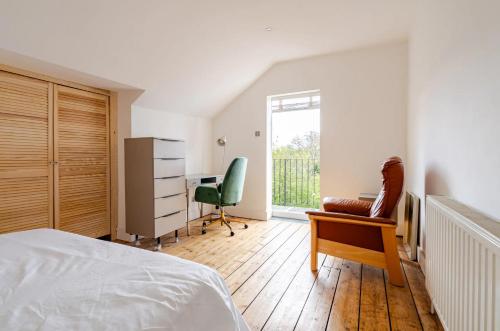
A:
x,y
421,258
254,214
123,235
289,214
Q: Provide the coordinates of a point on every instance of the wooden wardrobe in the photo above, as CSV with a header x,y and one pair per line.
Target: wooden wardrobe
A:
x,y
55,156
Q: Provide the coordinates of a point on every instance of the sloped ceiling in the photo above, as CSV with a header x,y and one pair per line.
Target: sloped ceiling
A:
x,y
192,56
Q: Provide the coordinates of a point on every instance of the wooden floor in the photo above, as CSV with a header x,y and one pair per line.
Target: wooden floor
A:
x,y
266,268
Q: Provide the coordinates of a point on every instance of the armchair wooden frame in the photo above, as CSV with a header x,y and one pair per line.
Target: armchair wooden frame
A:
x,y
388,259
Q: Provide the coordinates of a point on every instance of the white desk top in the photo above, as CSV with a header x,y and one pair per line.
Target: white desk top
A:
x,y
197,176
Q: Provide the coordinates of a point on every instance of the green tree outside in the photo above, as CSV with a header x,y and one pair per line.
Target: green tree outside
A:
x,y
296,171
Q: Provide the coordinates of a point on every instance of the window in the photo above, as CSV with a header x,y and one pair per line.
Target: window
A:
x,y
296,101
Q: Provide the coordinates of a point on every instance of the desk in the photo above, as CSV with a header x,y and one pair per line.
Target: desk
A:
x,y
196,210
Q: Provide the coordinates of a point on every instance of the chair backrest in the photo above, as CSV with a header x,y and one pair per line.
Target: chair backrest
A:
x,y
234,179
392,186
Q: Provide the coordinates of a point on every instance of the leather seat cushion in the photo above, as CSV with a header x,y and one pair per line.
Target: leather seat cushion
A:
x,y
347,206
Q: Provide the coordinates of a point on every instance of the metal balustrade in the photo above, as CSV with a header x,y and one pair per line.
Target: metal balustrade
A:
x,y
296,182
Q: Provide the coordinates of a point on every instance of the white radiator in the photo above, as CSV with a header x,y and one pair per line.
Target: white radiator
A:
x,y
462,265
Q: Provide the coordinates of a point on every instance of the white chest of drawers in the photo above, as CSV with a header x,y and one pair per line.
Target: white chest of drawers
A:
x,y
155,186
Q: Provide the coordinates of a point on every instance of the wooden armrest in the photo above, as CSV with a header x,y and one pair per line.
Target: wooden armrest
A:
x,y
348,218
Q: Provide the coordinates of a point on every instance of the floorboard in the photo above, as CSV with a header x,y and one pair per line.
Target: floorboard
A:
x,y
373,306
402,310
289,308
263,304
416,282
315,313
252,248
267,269
274,266
247,269
344,314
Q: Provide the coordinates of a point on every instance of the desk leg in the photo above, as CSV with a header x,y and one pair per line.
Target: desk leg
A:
x,y
187,211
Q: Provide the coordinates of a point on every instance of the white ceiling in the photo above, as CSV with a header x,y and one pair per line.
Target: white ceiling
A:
x,y
192,56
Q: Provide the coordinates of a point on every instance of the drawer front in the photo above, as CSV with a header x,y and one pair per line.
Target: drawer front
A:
x,y
164,225
169,168
169,186
167,149
169,205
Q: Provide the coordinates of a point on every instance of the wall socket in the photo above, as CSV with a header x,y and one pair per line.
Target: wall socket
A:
x,y
257,133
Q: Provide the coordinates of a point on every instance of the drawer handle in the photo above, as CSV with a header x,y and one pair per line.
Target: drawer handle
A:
x,y
171,140
170,177
171,214
173,195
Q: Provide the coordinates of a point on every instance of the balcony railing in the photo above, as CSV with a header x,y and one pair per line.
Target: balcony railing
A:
x,y
296,182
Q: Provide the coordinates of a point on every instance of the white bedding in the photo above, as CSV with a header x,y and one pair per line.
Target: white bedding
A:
x,y
53,280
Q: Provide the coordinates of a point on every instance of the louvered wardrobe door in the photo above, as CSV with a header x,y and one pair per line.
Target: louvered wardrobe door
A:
x,y
25,153
81,153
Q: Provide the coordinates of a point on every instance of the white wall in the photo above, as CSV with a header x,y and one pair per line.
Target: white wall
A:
x,y
196,131
134,121
125,98
454,114
363,120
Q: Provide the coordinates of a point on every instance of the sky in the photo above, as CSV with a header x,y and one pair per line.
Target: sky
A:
x,y
287,125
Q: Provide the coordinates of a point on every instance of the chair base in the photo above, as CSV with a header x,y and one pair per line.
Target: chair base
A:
x,y
387,259
223,221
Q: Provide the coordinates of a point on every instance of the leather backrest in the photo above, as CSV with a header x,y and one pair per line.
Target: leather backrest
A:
x,y
392,187
234,179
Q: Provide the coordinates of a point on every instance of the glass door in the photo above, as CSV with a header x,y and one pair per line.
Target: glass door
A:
x,y
295,125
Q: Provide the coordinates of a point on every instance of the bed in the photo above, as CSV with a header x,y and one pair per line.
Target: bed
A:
x,y
54,280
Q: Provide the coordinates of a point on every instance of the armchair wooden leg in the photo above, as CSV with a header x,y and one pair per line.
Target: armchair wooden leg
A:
x,y
314,245
392,256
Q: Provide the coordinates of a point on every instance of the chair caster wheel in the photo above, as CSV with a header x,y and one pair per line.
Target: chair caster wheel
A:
x,y
246,226
203,231
232,233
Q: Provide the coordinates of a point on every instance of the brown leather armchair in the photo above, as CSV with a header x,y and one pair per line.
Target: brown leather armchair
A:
x,y
362,231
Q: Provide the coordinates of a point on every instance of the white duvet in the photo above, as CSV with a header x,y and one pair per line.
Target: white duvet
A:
x,y
53,280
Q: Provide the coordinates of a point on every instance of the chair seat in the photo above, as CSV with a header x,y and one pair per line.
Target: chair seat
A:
x,y
207,194
347,206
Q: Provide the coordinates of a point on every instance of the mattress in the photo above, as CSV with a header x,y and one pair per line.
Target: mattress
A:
x,y
53,280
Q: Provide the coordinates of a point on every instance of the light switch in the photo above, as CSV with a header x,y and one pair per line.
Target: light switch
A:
x,y
257,133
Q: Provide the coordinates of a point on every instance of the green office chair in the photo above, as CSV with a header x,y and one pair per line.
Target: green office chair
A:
x,y
228,193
